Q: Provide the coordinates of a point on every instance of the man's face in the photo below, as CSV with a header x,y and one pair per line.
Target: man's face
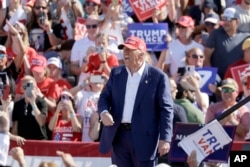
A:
x,y
184,32
92,27
133,58
40,7
229,24
228,94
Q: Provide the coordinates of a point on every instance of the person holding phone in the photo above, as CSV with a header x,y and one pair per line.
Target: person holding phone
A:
x,y
65,124
29,113
43,33
102,60
86,98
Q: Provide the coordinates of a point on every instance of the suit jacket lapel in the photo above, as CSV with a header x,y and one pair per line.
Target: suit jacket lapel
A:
x,y
122,78
144,83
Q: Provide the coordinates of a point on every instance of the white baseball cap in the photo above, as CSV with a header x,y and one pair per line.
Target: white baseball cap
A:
x,y
56,61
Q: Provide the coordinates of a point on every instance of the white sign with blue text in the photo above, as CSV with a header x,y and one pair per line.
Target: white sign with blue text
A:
x,y
154,34
205,141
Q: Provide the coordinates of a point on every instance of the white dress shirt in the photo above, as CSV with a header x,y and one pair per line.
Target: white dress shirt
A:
x,y
133,82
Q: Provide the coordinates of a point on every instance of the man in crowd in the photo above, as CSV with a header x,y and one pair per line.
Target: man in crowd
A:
x,y
223,46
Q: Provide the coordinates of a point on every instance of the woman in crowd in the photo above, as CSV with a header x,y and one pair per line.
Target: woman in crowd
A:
x,y
54,65
86,97
14,49
65,124
191,79
8,12
63,51
102,60
91,7
47,88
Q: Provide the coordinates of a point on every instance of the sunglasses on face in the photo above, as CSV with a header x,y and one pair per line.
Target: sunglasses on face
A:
x,y
227,90
208,24
228,19
91,26
104,2
40,7
2,55
90,4
196,56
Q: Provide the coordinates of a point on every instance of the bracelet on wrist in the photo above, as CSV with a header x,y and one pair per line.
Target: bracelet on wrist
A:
x,y
72,115
34,106
103,61
50,32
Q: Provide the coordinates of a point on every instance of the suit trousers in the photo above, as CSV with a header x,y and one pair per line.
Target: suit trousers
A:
x,y
123,152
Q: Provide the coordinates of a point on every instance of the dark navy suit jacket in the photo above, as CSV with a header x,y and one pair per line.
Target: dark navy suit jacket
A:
x,y
152,114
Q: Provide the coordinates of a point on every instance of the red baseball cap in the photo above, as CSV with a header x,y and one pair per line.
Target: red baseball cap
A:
x,y
98,2
134,42
186,21
38,63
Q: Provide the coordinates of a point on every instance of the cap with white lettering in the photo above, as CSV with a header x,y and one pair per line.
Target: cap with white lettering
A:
x,y
134,42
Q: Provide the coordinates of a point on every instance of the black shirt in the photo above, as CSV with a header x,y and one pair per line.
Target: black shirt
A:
x,y
28,127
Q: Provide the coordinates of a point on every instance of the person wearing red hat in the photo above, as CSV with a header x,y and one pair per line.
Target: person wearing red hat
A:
x,y
48,89
136,109
175,57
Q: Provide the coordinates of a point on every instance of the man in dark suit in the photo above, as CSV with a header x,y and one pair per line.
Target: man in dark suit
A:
x,y
136,109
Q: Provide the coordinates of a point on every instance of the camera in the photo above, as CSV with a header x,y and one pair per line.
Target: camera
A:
x,y
28,89
99,49
96,79
190,69
1,88
41,18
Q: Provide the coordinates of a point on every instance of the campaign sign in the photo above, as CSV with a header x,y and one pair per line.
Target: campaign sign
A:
x,y
153,34
238,72
80,28
177,154
127,8
208,76
144,9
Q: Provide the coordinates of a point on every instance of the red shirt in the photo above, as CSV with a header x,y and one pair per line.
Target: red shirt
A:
x,y
95,62
64,131
48,87
63,84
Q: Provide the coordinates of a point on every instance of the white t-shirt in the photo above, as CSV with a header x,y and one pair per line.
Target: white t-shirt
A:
x,y
4,148
176,57
244,20
86,105
79,50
